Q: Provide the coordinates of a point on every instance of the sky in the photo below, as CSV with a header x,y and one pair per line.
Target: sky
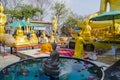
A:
x,y
83,7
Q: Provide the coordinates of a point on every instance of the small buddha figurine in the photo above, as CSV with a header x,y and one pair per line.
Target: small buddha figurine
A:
x,y
21,39
33,37
2,19
43,38
54,24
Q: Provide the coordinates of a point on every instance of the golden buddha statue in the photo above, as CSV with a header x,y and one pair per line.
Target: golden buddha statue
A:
x,y
33,37
2,19
28,30
54,24
21,39
5,39
52,37
114,5
86,30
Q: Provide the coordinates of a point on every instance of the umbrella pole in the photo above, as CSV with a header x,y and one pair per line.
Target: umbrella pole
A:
x,y
114,42
114,28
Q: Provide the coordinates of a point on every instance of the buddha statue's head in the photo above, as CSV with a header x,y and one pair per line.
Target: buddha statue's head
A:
x,y
54,17
1,8
43,35
86,21
19,27
19,31
33,31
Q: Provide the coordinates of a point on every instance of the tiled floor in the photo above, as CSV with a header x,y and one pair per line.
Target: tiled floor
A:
x,y
108,59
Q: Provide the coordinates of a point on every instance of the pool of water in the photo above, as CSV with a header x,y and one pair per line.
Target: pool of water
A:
x,y
70,69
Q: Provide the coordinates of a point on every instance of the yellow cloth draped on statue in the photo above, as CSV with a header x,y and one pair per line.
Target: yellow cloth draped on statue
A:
x,y
79,50
45,46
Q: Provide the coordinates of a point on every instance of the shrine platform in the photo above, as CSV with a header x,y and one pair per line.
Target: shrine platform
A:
x,y
34,53
31,46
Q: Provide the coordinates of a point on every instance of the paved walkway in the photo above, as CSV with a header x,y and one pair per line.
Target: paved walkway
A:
x,y
7,60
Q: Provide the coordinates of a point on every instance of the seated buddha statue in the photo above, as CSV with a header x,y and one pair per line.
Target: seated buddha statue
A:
x,y
21,39
33,37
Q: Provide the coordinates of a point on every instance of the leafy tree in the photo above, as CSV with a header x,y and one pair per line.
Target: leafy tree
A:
x,y
25,11
13,13
61,12
71,22
28,11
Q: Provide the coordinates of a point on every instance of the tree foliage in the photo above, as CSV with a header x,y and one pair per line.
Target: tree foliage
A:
x,y
70,23
61,12
72,20
25,11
